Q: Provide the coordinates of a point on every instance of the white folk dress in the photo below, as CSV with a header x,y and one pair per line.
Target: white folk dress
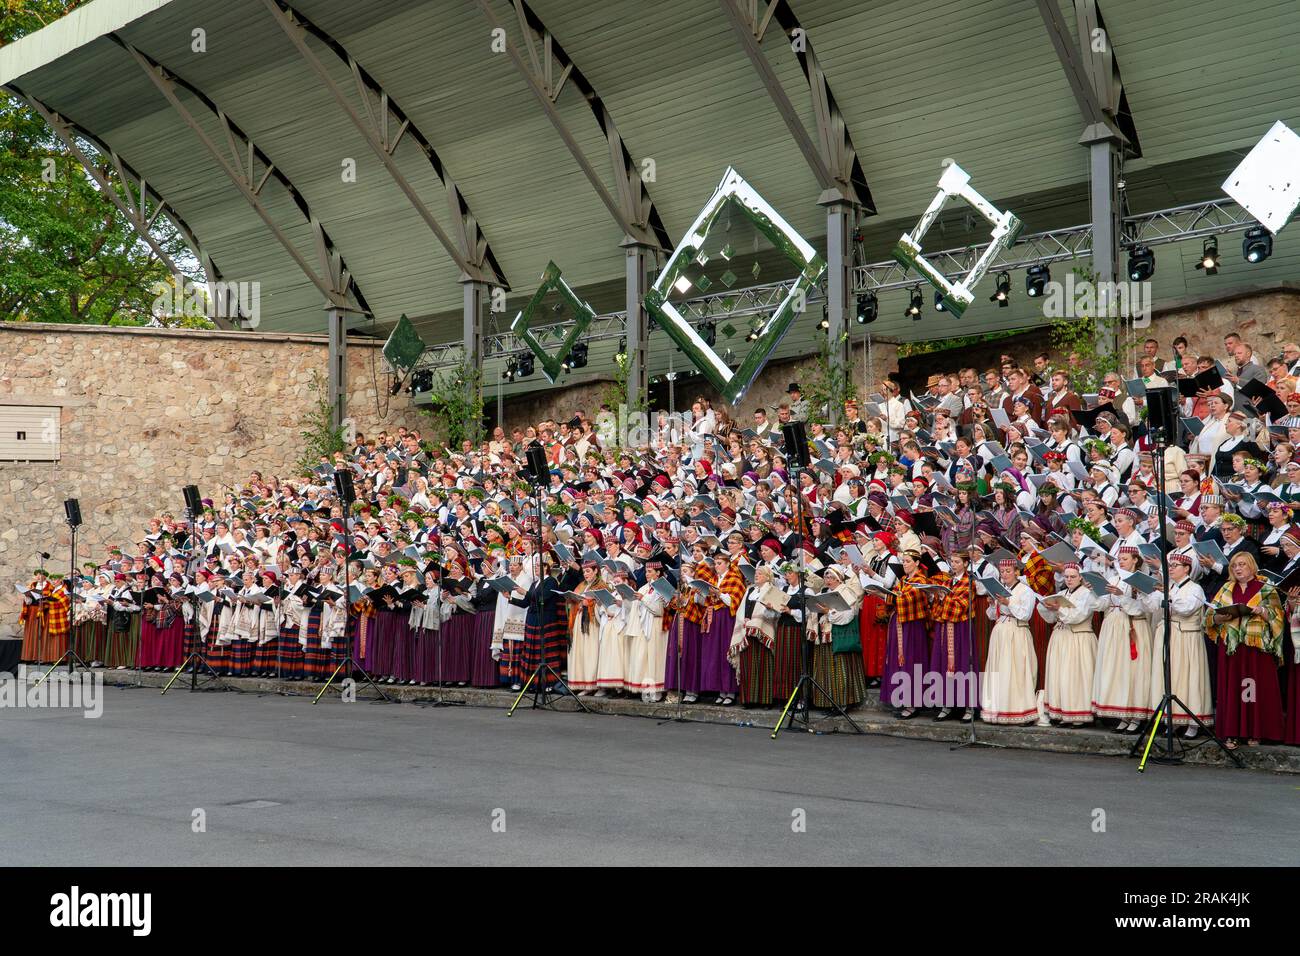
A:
x,y
611,667
1122,679
1071,659
1007,694
1189,668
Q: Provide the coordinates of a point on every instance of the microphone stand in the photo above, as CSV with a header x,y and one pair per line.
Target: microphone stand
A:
x,y
806,680
1170,749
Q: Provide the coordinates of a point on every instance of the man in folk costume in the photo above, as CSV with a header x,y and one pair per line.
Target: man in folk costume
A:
x,y
907,652
754,637
1007,694
837,645
1189,671
1071,652
649,640
584,631
952,653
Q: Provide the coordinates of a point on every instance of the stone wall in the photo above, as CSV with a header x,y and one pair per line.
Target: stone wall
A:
x,y
1265,319
147,411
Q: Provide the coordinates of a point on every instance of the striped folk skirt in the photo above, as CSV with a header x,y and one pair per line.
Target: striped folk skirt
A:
x,y
290,664
317,662
510,668
787,659
239,658
122,647
483,670
89,640
840,674
757,665
265,657
545,643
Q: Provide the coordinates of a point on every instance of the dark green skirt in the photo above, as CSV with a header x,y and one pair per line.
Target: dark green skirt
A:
x,y
841,674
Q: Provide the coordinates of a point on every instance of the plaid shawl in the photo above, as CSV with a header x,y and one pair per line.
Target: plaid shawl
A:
x,y
955,606
1039,575
909,603
1262,633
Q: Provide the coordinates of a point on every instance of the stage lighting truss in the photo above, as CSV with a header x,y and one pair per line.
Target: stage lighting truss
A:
x,y
736,195
534,314
955,181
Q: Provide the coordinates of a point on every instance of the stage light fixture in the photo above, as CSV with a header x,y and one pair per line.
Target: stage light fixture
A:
x,y
512,367
524,365
915,303
1141,263
825,323
709,332
421,381
1002,293
1036,279
868,308
938,300
1257,244
577,356
1209,257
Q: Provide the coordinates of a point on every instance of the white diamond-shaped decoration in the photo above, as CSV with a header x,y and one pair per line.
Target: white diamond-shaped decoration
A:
x,y
955,181
1267,182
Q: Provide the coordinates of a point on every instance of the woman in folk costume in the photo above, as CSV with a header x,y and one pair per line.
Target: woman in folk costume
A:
x,y
584,632
615,645
121,644
683,669
1291,668
90,619
457,630
238,628
1249,652
649,638
292,611
1121,682
952,652
483,668
321,629
790,644
753,638
1189,669
837,648
1071,653
881,569
716,673
266,650
908,650
426,624
404,638
1007,694
508,625
382,640
33,617
1039,576
546,630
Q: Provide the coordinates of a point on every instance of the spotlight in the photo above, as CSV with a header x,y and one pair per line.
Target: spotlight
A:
x,y
1257,244
577,356
524,365
1002,295
868,308
621,354
709,332
1209,257
915,304
1141,263
824,324
512,368
753,334
1036,278
938,301
422,381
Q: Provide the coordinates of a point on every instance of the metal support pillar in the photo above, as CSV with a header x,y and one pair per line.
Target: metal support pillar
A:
x,y
478,297
338,362
1104,204
640,261
840,222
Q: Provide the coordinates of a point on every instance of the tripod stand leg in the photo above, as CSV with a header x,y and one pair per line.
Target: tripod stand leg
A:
x,y
53,667
528,684
316,699
785,710
1155,726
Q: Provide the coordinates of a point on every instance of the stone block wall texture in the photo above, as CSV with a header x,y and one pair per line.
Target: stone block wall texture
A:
x,y
145,412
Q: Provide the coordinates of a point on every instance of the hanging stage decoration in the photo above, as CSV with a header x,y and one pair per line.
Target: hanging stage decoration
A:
x,y
686,270
955,181
1266,183
534,315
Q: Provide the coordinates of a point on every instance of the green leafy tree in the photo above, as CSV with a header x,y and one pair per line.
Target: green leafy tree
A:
x,y
456,405
66,253
827,385
319,436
